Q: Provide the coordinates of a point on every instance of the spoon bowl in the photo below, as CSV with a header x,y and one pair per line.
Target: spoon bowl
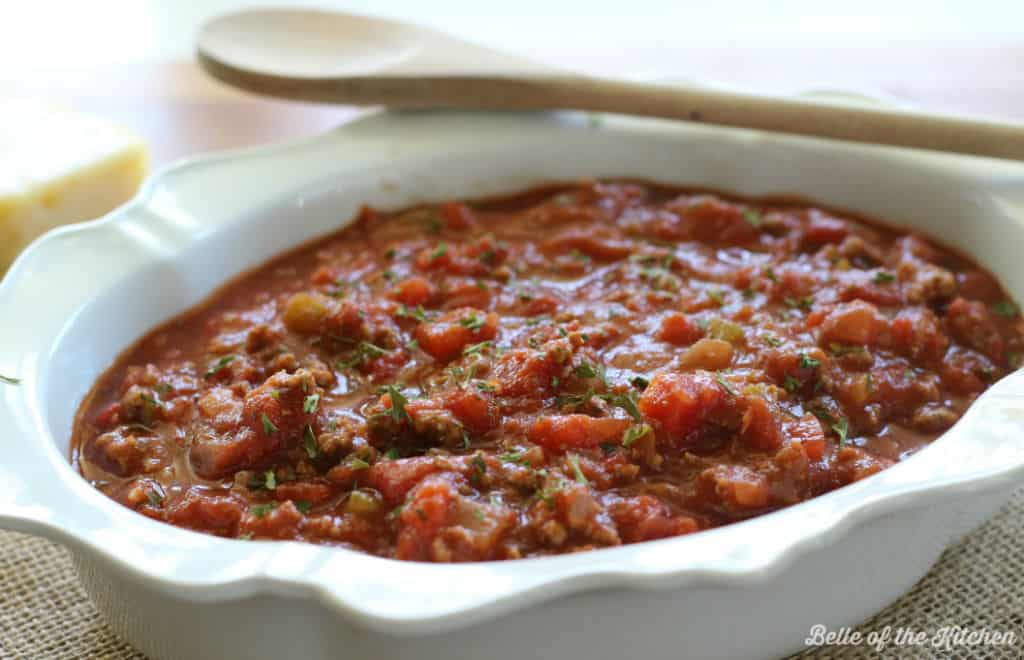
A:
x,y
309,44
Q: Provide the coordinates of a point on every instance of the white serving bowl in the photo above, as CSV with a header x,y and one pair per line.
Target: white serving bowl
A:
x,y
81,294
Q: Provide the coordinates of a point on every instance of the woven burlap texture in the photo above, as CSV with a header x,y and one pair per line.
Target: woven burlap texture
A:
x,y
978,584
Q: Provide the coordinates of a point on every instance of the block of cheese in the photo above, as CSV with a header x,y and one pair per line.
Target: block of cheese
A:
x,y
59,166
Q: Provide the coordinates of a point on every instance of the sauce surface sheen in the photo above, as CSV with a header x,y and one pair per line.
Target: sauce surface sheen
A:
x,y
574,367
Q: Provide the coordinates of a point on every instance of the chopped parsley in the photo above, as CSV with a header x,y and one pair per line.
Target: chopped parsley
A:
x,y
303,506
772,340
155,496
516,457
576,400
217,366
260,510
807,362
824,416
309,442
263,481
439,251
1006,308
357,463
842,427
791,384
363,352
434,225
882,277
640,382
268,426
804,303
840,350
472,322
479,465
574,460
627,401
310,404
724,383
716,295
398,402
418,313
753,217
587,370
476,348
634,433
770,274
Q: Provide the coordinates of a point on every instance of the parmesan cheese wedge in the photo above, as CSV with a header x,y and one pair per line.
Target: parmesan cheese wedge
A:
x,y
58,166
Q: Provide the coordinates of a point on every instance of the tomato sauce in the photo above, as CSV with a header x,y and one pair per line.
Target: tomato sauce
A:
x,y
575,367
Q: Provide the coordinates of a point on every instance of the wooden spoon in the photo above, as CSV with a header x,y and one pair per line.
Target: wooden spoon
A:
x,y
332,57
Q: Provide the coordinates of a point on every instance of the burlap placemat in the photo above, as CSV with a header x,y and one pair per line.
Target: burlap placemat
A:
x,y
978,584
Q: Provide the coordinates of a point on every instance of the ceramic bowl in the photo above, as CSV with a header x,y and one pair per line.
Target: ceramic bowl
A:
x,y
81,294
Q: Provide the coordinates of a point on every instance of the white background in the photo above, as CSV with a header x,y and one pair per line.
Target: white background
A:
x,y
585,34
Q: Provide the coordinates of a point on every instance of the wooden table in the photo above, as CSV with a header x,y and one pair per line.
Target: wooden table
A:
x,y
180,111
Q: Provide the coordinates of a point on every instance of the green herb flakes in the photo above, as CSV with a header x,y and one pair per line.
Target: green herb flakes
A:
x,y
398,402
1006,308
473,349
356,463
309,442
472,322
807,362
363,353
261,510
724,384
418,313
217,366
634,433
574,460
263,481
439,251
627,401
842,428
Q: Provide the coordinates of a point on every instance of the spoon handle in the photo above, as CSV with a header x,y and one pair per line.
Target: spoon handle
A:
x,y
563,92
